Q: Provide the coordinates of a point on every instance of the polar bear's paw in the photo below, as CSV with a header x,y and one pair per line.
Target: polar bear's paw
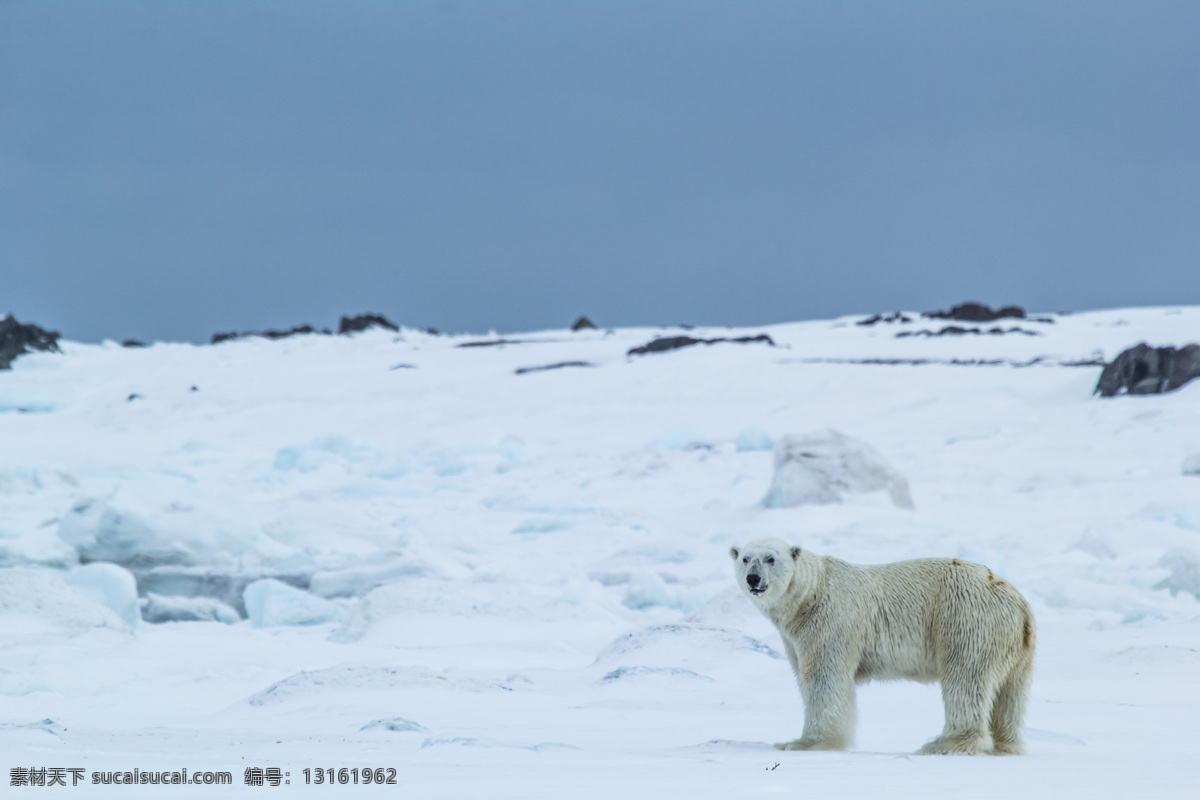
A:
x,y
809,744
1015,748
961,745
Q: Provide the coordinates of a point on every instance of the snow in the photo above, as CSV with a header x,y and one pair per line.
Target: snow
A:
x,y
821,467
110,585
518,585
753,439
270,603
168,608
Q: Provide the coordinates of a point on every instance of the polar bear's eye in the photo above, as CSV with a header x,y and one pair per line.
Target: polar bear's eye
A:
x,y
770,560
746,560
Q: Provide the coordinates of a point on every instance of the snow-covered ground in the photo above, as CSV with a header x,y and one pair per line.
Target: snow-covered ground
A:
x,y
517,585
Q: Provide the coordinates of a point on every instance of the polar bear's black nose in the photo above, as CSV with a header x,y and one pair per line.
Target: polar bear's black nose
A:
x,y
752,580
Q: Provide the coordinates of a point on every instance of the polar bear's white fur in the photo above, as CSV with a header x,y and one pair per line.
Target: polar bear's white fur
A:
x,y
930,619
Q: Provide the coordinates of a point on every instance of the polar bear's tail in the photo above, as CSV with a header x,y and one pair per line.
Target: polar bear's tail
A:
x,y
1008,709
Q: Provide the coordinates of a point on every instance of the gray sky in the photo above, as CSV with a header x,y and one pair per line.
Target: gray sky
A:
x,y
168,170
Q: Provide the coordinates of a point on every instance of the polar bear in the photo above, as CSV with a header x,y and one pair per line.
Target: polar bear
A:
x,y
930,619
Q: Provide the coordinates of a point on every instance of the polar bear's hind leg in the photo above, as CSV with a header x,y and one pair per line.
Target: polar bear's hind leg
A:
x,y
1008,711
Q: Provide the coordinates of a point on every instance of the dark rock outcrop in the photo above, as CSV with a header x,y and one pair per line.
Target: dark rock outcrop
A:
x,y
955,330
1149,370
492,343
17,339
977,312
895,316
559,365
133,343
663,344
583,324
364,321
217,338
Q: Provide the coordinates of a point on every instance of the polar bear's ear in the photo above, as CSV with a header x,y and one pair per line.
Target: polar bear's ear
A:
x,y
733,553
795,553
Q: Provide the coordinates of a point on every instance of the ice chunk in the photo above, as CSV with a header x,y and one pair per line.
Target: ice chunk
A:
x,y
343,452
26,403
163,608
44,599
819,468
270,603
1185,573
752,440
647,589
111,586
226,585
144,526
358,581
675,438
1191,465
1181,517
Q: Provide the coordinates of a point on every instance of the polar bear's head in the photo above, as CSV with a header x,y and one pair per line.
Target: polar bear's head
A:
x,y
765,568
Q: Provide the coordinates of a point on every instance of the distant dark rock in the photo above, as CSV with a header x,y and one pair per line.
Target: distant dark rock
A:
x,y
955,330
132,343
364,321
583,324
492,343
17,339
217,338
559,365
666,343
433,331
1149,370
132,397
299,329
895,316
977,312
194,389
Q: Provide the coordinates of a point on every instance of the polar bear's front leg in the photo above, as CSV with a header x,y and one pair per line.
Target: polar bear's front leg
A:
x,y
827,687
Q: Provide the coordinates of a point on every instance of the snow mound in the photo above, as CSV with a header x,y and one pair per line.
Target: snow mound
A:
x,y
729,608
44,597
1191,465
480,741
627,673
271,603
397,724
147,528
161,608
669,642
358,678
1156,654
112,586
753,440
819,468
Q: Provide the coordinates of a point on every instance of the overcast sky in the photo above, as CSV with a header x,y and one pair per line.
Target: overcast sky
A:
x,y
168,170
